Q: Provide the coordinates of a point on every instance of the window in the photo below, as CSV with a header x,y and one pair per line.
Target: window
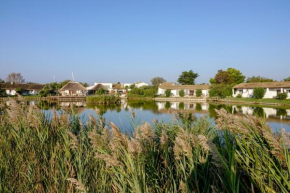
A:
x,y
278,92
241,91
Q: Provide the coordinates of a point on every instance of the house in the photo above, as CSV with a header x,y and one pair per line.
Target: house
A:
x,y
272,89
114,88
73,89
91,90
23,89
140,84
189,90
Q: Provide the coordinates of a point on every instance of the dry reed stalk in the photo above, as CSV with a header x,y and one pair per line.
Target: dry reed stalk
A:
x,y
109,160
182,145
182,187
78,185
163,139
134,146
74,140
145,132
133,114
208,145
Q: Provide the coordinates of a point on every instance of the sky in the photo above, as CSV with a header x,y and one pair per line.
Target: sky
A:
x,y
136,40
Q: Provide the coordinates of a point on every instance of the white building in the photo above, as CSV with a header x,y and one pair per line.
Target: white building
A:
x,y
272,89
189,90
26,89
140,84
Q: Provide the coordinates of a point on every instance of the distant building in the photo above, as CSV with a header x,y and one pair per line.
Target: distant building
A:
x,y
140,84
189,90
73,89
272,89
25,89
91,90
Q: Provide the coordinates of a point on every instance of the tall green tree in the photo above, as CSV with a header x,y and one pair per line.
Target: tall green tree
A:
x,y
287,79
236,75
187,78
259,79
156,81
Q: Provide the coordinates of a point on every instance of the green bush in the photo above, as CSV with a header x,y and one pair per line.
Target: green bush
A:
x,y
181,93
3,93
100,91
181,106
239,96
282,96
167,105
198,93
103,99
220,90
167,92
259,93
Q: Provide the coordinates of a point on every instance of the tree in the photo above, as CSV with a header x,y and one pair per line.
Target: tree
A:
x,y
258,79
222,77
2,81
156,81
236,75
101,91
187,78
15,78
287,79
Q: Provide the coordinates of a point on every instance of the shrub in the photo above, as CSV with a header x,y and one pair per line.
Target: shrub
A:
x,y
282,96
239,96
181,93
100,91
220,90
167,92
103,99
198,93
167,105
181,105
259,93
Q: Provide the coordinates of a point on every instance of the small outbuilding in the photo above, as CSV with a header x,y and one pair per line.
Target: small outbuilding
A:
x,y
73,89
91,90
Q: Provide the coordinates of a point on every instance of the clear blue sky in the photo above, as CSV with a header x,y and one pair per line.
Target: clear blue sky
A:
x,y
135,40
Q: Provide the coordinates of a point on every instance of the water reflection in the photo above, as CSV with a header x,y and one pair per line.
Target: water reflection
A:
x,y
147,110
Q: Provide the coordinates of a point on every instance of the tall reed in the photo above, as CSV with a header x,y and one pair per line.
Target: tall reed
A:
x,y
63,154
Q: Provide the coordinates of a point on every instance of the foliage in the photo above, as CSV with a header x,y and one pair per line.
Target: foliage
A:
x,y
2,81
198,93
258,79
156,81
220,90
102,99
167,92
167,105
144,91
100,91
259,93
19,90
50,89
132,86
15,77
239,96
222,77
181,93
181,106
236,75
198,107
62,154
287,79
187,78
282,96
3,93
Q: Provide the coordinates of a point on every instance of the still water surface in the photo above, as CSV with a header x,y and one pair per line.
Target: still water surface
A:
x,y
146,111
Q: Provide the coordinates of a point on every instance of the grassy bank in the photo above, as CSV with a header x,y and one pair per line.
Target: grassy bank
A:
x,y
65,155
257,101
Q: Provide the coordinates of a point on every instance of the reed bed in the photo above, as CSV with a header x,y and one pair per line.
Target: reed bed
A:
x,y
63,154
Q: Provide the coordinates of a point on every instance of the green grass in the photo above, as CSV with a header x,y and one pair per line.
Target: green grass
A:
x,y
62,154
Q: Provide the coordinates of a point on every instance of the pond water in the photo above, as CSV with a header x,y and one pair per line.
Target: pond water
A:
x,y
277,118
